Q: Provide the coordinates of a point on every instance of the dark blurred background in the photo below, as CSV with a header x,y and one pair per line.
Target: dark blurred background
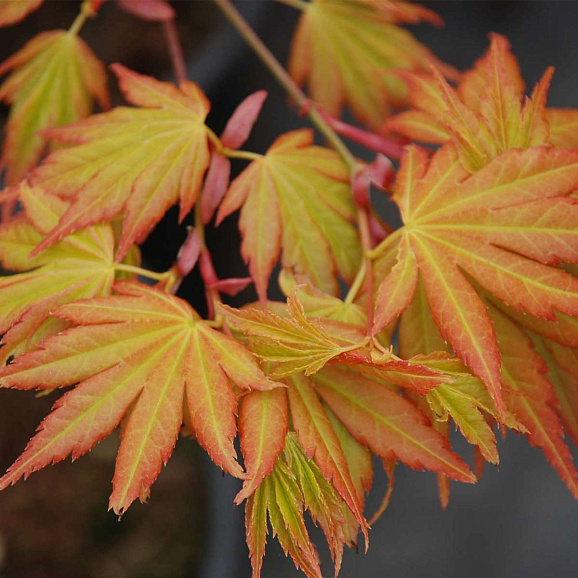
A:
x,y
518,521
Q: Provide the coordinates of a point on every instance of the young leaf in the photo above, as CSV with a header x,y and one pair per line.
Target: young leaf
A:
x,y
343,50
78,267
463,408
13,11
140,160
53,82
292,344
145,348
295,485
296,200
487,114
387,423
319,441
488,226
234,136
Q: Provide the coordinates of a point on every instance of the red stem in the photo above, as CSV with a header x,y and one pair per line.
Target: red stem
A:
x,y
370,140
175,50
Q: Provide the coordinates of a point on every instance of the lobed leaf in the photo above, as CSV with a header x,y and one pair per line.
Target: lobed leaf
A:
x,y
344,66
144,353
137,160
501,228
296,200
54,80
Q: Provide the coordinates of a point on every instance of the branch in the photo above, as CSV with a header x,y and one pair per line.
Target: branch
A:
x,y
304,103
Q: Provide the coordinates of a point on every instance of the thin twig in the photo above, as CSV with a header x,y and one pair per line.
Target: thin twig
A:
x,y
303,103
175,50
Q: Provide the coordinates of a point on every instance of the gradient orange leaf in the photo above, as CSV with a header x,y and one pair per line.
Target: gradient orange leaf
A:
x,y
451,231
54,80
296,201
140,348
138,160
529,395
387,423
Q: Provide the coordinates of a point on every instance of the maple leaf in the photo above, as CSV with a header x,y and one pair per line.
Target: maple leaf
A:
x,y
136,160
292,344
387,423
487,113
80,266
529,394
562,365
344,50
295,485
263,424
296,199
503,227
13,11
141,355
53,82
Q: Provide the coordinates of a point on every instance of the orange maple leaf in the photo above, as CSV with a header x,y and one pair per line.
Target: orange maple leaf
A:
x,y
487,113
504,227
141,356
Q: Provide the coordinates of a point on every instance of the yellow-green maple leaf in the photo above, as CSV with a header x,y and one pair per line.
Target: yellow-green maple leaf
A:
x,y
296,200
53,82
344,49
141,160
78,267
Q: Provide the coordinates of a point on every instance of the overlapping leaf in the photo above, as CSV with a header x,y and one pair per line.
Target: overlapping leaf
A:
x,y
529,394
293,343
54,80
13,11
502,227
137,160
295,485
344,50
562,365
387,423
487,113
296,201
140,355
78,267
